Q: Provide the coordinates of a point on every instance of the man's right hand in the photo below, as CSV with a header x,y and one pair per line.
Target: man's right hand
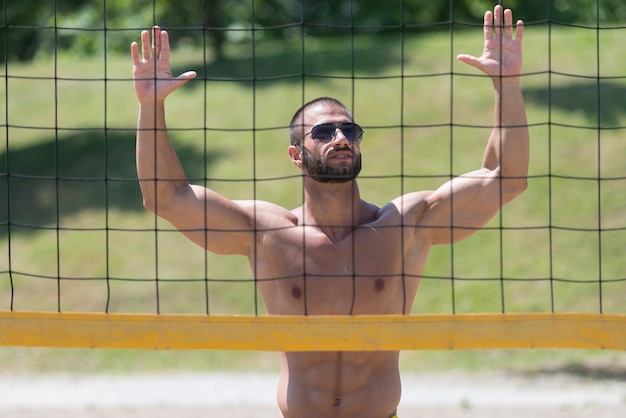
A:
x,y
152,74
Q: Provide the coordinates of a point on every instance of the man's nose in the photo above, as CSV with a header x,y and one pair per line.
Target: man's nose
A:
x,y
339,137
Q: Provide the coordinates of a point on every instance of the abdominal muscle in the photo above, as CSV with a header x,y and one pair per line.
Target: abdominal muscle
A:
x,y
339,384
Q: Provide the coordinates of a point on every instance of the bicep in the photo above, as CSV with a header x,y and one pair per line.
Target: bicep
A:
x,y
211,220
460,207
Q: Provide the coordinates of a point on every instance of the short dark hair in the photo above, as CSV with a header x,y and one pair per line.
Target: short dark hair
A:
x,y
296,126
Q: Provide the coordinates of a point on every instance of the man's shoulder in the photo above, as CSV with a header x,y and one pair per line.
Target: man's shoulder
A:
x,y
267,211
400,208
410,202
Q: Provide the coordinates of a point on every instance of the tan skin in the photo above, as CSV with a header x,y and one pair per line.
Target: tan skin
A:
x,y
337,254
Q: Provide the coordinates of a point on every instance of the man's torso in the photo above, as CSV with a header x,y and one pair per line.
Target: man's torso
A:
x,y
373,268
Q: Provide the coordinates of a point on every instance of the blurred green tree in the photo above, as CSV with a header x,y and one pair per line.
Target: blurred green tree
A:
x,y
48,25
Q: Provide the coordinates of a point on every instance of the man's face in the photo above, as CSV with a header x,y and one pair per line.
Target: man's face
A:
x,y
330,160
325,170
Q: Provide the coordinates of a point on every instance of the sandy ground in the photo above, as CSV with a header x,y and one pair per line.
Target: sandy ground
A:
x,y
253,396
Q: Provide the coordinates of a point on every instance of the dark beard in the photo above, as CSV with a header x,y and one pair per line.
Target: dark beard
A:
x,y
318,170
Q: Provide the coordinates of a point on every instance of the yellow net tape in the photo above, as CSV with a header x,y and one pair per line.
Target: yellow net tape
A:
x,y
313,333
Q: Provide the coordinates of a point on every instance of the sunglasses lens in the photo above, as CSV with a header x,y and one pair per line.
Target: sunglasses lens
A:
x,y
350,131
326,131
323,132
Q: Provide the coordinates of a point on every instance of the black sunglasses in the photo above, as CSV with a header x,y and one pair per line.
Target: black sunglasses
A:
x,y
327,131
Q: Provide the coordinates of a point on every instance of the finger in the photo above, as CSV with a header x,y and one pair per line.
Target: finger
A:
x,y
487,25
508,23
519,32
165,46
497,20
186,76
134,53
469,59
145,44
156,42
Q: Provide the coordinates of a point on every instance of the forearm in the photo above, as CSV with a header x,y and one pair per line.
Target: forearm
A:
x,y
507,149
158,167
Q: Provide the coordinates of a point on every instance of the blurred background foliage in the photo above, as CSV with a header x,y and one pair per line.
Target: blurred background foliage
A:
x,y
69,24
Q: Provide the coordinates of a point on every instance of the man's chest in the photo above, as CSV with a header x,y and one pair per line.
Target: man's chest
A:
x,y
365,271
361,251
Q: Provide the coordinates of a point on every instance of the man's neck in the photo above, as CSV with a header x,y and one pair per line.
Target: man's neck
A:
x,y
334,208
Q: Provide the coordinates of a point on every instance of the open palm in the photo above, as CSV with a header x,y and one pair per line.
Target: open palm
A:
x,y
152,75
502,54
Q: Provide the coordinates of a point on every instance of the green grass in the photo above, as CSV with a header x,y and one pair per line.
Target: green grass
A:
x,y
104,231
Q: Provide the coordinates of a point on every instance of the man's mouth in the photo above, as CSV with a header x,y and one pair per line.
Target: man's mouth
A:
x,y
340,155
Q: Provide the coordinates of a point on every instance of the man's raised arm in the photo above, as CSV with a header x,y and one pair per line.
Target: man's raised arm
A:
x,y
204,216
153,81
463,205
507,149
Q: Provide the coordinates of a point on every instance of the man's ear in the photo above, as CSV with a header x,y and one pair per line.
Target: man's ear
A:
x,y
295,155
